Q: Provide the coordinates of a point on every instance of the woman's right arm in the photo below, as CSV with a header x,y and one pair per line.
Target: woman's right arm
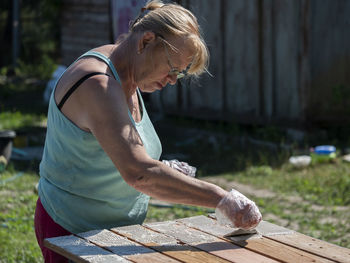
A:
x,y
106,116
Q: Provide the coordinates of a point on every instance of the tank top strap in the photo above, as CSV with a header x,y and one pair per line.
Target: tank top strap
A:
x,y
143,109
115,74
99,55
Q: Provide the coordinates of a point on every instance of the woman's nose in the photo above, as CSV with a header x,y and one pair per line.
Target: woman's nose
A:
x,y
172,79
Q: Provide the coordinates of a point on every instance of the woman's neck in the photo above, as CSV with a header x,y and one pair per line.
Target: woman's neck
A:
x,y
124,62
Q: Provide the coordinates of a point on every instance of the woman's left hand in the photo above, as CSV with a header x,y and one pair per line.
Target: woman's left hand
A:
x,y
182,167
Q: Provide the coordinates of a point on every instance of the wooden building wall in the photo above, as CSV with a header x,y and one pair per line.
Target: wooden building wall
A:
x,y
85,25
329,56
273,61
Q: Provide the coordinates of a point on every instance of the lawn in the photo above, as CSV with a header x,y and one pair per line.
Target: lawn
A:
x,y
17,238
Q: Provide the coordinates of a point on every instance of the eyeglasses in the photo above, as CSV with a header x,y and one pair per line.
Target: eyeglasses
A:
x,y
174,71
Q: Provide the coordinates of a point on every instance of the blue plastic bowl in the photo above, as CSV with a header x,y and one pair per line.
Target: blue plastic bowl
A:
x,y
324,149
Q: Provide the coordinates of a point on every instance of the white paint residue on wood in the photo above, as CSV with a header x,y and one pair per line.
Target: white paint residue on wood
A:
x,y
76,249
144,235
181,232
115,243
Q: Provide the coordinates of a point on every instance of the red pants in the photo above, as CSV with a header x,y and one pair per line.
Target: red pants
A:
x,y
45,227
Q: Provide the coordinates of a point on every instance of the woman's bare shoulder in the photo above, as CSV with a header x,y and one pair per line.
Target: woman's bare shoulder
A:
x,y
102,95
98,97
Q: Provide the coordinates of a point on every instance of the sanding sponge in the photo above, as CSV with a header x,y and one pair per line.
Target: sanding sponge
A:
x,y
241,232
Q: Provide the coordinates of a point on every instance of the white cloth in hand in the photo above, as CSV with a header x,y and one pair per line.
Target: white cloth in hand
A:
x,y
182,167
236,210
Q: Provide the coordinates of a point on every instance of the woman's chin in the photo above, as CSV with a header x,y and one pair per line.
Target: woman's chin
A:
x,y
151,87
159,86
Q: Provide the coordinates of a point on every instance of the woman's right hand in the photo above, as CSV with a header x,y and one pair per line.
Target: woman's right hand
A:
x,y
238,211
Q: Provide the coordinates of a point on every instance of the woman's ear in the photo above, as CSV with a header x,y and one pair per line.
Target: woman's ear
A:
x,y
147,38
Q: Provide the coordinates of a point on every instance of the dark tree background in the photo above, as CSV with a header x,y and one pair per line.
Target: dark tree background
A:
x,y
38,36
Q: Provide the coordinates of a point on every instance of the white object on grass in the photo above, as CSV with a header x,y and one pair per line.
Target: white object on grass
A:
x,y
300,161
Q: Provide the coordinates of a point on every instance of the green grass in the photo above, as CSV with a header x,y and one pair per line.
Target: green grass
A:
x,y
323,184
314,200
17,206
324,222
17,120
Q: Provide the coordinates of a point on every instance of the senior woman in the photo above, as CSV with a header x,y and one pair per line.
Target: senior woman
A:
x,y
101,157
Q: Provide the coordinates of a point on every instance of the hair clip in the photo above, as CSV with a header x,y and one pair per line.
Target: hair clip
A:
x,y
144,11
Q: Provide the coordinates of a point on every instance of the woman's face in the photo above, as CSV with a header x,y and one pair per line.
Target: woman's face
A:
x,y
161,62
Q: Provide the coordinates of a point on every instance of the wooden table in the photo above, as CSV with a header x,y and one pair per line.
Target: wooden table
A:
x,y
195,239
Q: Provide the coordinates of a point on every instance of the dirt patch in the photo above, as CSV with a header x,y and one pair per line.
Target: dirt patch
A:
x,y
243,188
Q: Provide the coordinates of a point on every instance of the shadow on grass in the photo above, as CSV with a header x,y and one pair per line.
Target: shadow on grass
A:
x,y
216,150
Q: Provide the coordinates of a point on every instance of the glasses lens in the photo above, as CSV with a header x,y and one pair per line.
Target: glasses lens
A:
x,y
177,73
180,75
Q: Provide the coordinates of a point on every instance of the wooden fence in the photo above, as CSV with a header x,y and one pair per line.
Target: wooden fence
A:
x,y
273,61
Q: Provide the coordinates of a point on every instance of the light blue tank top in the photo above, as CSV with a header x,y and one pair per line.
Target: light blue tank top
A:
x,y
79,186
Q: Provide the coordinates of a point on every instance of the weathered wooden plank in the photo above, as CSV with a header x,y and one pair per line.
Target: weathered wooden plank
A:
x,y
72,49
208,242
315,246
87,17
83,8
87,2
84,25
91,42
289,81
267,69
329,97
268,229
264,246
280,251
71,54
87,32
242,57
145,236
304,57
234,254
206,93
166,244
124,247
286,31
79,250
101,6
213,227
184,234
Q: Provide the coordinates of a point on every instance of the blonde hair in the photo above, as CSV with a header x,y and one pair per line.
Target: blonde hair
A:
x,y
174,20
